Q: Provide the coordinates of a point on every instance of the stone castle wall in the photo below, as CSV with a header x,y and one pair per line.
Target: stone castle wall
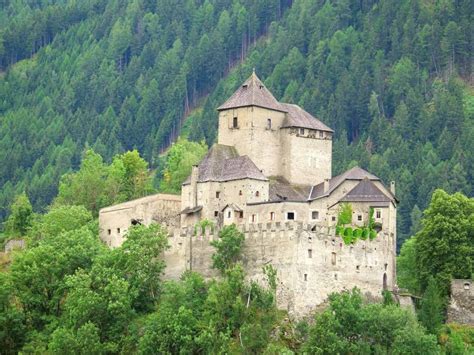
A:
x,y
311,261
461,307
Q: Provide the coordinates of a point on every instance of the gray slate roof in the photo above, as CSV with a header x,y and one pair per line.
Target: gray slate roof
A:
x,y
222,163
365,191
297,117
252,93
356,173
282,190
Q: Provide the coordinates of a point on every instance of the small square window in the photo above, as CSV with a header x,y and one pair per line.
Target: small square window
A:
x,y
315,215
290,216
333,218
216,213
302,131
359,217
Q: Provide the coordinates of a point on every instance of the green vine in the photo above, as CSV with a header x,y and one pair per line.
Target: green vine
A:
x,y
351,234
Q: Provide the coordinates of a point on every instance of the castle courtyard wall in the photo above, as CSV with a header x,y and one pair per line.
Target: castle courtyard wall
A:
x,y
311,262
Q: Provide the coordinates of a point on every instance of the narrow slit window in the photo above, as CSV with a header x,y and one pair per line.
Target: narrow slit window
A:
x,y
218,194
118,230
109,231
235,122
216,213
272,216
333,258
306,277
310,253
378,214
229,214
269,123
257,194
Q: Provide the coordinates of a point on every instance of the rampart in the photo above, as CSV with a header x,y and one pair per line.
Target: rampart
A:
x,y
461,307
311,261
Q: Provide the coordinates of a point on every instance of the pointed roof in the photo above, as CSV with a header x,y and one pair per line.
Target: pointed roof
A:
x,y
365,191
356,173
297,117
252,93
222,163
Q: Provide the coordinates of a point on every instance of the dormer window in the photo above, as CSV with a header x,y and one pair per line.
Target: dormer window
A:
x,y
235,123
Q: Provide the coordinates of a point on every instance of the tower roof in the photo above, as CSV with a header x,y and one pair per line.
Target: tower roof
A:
x,y
297,117
252,93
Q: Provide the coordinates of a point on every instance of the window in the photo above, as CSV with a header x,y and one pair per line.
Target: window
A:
x,y
467,285
378,214
359,217
302,131
290,216
335,276
315,215
358,267
218,194
306,277
269,123
254,218
333,258
109,231
118,230
257,194
216,213
321,134
241,214
229,214
333,218
272,216
310,253
235,123
240,192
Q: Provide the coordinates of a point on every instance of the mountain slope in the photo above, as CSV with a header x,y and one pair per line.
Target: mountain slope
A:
x,y
114,75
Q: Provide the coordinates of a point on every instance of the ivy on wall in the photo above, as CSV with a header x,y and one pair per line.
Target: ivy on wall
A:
x,y
351,234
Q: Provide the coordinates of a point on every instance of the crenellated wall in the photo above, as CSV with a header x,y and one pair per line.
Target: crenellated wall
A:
x,y
311,261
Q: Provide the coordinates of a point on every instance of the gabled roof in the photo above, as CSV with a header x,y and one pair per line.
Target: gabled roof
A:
x,y
252,93
222,163
297,117
365,191
356,173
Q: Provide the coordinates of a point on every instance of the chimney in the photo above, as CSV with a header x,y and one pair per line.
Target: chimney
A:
x,y
326,185
194,179
392,187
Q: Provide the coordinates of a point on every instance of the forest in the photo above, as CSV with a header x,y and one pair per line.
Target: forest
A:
x,y
392,78
105,101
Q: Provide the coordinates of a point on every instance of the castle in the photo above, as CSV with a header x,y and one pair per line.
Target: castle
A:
x,y
270,174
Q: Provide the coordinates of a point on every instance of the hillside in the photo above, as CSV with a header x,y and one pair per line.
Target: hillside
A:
x,y
392,78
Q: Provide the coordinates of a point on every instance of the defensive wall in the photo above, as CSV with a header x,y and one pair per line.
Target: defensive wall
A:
x,y
311,262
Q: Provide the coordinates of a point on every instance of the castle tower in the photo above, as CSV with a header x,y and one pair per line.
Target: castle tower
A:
x,y
281,139
250,120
